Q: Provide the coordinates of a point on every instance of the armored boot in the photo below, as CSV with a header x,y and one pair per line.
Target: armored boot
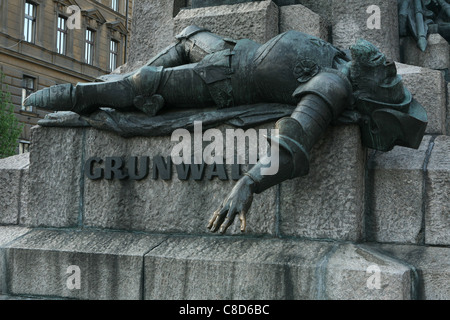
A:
x,y
136,91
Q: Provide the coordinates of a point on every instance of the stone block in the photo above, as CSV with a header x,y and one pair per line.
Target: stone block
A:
x,y
168,206
7,235
428,87
151,30
436,56
447,121
358,272
17,298
300,18
13,188
213,3
212,268
350,23
328,203
62,195
396,190
437,219
256,20
109,265
223,269
321,7
431,266
17,162
55,176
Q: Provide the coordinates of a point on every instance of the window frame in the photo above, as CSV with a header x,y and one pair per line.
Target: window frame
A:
x,y
89,44
30,22
27,91
24,146
115,4
113,54
61,34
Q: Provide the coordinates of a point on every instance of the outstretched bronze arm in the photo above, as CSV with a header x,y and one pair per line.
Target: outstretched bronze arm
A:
x,y
322,100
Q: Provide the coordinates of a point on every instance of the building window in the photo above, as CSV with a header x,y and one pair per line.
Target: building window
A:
x,y
28,87
89,50
61,35
113,54
115,5
29,28
24,146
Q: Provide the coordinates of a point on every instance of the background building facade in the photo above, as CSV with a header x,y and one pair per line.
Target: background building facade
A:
x,y
49,42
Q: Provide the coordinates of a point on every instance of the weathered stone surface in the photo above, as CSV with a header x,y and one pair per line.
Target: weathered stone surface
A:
x,y
13,188
177,206
447,121
300,18
158,205
212,3
350,23
151,30
118,265
220,268
352,273
24,196
327,203
428,88
321,7
17,162
437,219
436,56
396,188
253,20
240,269
19,298
55,176
431,265
7,235
110,264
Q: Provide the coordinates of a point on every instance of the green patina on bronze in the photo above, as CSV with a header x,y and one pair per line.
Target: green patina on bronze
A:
x,y
249,83
419,18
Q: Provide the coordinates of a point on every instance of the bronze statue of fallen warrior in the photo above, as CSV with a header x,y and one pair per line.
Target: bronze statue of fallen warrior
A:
x,y
322,84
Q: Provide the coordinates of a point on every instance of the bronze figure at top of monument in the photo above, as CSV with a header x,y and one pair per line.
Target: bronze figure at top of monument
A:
x,y
320,84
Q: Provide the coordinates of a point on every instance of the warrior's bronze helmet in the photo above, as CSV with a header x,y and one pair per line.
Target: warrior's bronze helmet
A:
x,y
389,114
373,76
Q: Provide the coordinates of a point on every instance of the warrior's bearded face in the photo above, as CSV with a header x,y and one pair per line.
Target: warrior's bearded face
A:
x,y
373,76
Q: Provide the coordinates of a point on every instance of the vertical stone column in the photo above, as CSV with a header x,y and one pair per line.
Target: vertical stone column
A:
x,y
55,175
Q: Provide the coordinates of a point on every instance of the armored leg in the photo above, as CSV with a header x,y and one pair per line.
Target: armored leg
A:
x,y
193,45
199,42
168,73
134,91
